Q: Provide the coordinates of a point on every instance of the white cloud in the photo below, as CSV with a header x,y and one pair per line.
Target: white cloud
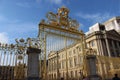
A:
x,y
98,17
3,37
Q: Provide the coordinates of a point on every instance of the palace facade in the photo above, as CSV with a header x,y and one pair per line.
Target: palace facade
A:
x,y
103,38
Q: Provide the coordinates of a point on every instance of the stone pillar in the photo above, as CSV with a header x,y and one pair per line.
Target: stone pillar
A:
x,y
33,64
98,48
101,47
91,65
105,52
108,48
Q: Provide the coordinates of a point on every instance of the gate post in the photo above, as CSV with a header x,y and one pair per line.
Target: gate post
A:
x,y
91,65
33,63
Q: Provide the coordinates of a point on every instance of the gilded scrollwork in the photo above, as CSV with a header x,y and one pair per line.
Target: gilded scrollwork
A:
x,y
33,43
73,24
52,18
20,45
62,19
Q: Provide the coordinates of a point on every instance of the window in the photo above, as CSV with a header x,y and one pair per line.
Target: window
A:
x,y
63,55
70,63
63,74
74,51
70,53
63,64
92,43
59,56
71,72
75,73
79,48
54,76
60,65
75,61
81,59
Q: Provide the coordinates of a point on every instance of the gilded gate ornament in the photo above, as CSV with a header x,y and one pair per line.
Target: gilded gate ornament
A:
x,y
20,45
63,13
33,42
62,19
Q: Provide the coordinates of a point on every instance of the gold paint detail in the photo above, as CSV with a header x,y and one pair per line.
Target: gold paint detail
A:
x,y
61,19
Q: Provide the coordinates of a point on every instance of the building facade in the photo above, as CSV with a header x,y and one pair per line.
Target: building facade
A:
x,y
58,67
103,38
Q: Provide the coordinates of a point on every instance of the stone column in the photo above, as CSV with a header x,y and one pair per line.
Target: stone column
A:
x,y
105,52
107,45
91,65
98,48
33,63
101,47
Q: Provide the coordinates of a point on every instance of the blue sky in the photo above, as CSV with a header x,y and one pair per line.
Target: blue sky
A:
x,y
20,18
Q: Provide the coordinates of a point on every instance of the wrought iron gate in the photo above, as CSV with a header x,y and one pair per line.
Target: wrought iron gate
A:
x,y
12,63
58,33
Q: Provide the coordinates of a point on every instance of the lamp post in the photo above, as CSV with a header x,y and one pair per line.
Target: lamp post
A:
x,y
79,66
57,66
81,74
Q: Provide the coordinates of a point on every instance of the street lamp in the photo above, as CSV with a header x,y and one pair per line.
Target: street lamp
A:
x,y
81,74
57,66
